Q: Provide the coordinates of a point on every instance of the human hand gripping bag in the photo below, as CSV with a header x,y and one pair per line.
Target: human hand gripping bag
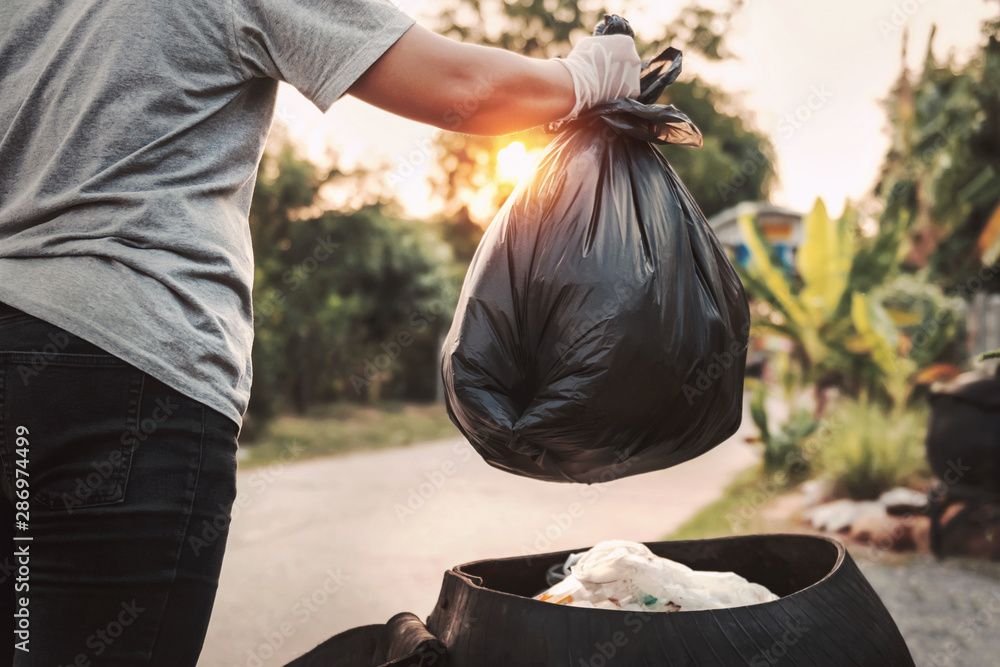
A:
x,y
601,330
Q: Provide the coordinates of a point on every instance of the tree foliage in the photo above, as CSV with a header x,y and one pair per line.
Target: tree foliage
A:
x,y
734,165
940,182
348,305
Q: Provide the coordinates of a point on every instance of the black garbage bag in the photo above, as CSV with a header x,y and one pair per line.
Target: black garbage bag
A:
x,y
601,330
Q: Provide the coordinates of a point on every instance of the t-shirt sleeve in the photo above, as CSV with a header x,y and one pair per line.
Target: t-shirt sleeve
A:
x,y
320,47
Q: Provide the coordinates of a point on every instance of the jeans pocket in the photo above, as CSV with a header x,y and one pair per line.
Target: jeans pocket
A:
x,y
77,414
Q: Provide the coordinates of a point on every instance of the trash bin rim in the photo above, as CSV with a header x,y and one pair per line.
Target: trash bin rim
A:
x,y
475,581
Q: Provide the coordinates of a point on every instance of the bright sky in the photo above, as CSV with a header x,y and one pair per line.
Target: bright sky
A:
x,y
841,58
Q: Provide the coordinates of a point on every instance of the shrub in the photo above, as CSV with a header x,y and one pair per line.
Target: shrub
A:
x,y
782,448
873,450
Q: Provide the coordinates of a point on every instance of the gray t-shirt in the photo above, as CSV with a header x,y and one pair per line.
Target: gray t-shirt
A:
x,y
130,134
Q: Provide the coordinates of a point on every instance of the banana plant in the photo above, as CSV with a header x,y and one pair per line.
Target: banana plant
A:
x,y
828,310
795,314
878,337
814,311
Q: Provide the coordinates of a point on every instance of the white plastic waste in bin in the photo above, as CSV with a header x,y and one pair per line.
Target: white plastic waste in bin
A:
x,y
626,575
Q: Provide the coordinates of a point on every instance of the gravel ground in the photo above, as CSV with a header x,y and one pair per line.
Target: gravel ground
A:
x,y
948,612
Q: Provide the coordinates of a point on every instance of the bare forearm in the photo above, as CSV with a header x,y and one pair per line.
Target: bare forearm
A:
x,y
464,87
507,92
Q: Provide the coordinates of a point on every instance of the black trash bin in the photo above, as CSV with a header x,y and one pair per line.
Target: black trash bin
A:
x,y
402,642
827,614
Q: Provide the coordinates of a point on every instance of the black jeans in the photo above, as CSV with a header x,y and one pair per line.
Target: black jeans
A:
x,y
117,494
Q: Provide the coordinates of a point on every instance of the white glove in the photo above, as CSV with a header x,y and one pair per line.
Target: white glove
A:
x,y
604,67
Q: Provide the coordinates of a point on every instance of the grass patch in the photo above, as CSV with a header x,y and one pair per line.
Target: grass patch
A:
x,y
340,428
737,512
869,450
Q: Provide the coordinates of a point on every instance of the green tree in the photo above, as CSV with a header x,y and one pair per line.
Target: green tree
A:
x,y
940,181
736,163
463,235
348,305
467,171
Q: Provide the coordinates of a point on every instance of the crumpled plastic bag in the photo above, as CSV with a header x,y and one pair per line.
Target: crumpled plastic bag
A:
x,y
628,576
601,330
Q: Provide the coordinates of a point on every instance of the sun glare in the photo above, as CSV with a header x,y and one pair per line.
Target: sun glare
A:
x,y
513,162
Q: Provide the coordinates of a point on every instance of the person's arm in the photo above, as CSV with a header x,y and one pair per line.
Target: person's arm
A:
x,y
482,90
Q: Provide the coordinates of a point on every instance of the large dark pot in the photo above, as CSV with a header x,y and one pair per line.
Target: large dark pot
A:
x,y
963,435
828,614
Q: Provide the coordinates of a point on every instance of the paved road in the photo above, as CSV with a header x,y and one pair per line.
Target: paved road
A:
x,y
318,547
